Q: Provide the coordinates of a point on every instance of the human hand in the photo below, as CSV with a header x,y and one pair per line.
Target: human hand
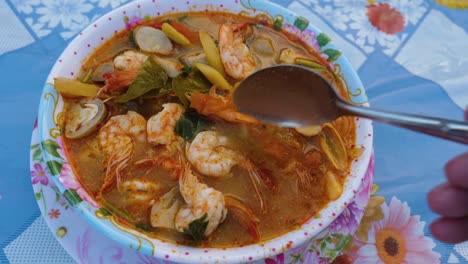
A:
x,y
450,200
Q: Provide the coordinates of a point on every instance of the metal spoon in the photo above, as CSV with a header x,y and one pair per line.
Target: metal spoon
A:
x,y
296,96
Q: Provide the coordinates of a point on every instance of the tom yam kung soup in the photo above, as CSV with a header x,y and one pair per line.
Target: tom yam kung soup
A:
x,y
152,134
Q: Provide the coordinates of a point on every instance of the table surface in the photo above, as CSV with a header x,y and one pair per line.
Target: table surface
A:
x,y
418,63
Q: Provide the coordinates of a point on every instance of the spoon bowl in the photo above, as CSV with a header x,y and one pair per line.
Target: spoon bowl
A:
x,y
297,96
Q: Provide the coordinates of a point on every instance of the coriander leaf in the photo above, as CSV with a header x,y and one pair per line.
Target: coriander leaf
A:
x,y
196,229
189,125
151,76
187,83
187,69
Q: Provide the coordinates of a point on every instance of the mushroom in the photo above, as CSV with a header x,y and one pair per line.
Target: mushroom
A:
x,y
152,40
84,117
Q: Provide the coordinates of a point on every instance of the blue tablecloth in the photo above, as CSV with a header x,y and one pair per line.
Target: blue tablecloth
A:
x,y
417,64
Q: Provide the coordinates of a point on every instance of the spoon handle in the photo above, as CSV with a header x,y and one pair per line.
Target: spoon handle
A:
x,y
443,128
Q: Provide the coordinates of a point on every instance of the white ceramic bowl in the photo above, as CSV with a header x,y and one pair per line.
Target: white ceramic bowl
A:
x,y
68,65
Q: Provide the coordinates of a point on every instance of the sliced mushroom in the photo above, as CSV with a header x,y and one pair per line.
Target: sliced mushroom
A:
x,y
189,60
171,66
264,46
309,131
152,40
333,146
288,56
165,209
84,117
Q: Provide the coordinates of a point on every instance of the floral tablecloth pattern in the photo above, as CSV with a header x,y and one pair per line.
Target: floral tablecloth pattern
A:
x,y
410,54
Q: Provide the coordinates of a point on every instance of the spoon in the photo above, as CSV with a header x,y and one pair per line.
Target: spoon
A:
x,y
296,96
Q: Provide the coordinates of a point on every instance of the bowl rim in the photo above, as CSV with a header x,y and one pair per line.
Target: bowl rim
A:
x,y
236,254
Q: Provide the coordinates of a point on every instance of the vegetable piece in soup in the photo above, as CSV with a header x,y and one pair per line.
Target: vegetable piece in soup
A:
x,y
159,144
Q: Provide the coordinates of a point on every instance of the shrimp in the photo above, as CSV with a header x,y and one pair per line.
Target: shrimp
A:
x,y
130,60
237,59
117,140
118,81
160,131
200,200
210,156
216,105
161,126
243,215
140,190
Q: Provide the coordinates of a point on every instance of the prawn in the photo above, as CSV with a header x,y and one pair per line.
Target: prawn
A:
x,y
118,81
160,132
117,140
160,127
209,154
130,60
140,190
237,59
200,200
216,105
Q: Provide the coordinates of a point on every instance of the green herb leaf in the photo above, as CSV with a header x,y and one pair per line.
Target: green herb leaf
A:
x,y
196,229
189,125
51,147
72,197
151,76
187,69
301,23
157,93
55,167
332,54
188,83
322,40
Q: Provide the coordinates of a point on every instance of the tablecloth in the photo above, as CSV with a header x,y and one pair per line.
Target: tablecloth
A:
x,y
412,56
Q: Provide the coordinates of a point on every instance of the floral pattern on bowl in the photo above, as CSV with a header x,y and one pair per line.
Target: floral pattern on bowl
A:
x,y
68,65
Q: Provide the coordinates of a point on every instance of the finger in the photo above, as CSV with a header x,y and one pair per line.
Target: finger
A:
x,y
466,113
448,201
450,230
456,171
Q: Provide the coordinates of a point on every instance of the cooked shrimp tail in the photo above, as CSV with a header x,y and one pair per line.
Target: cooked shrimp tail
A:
x,y
118,81
243,215
115,165
236,56
200,200
117,139
256,180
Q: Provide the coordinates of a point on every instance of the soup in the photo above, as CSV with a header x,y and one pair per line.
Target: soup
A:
x,y
152,133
